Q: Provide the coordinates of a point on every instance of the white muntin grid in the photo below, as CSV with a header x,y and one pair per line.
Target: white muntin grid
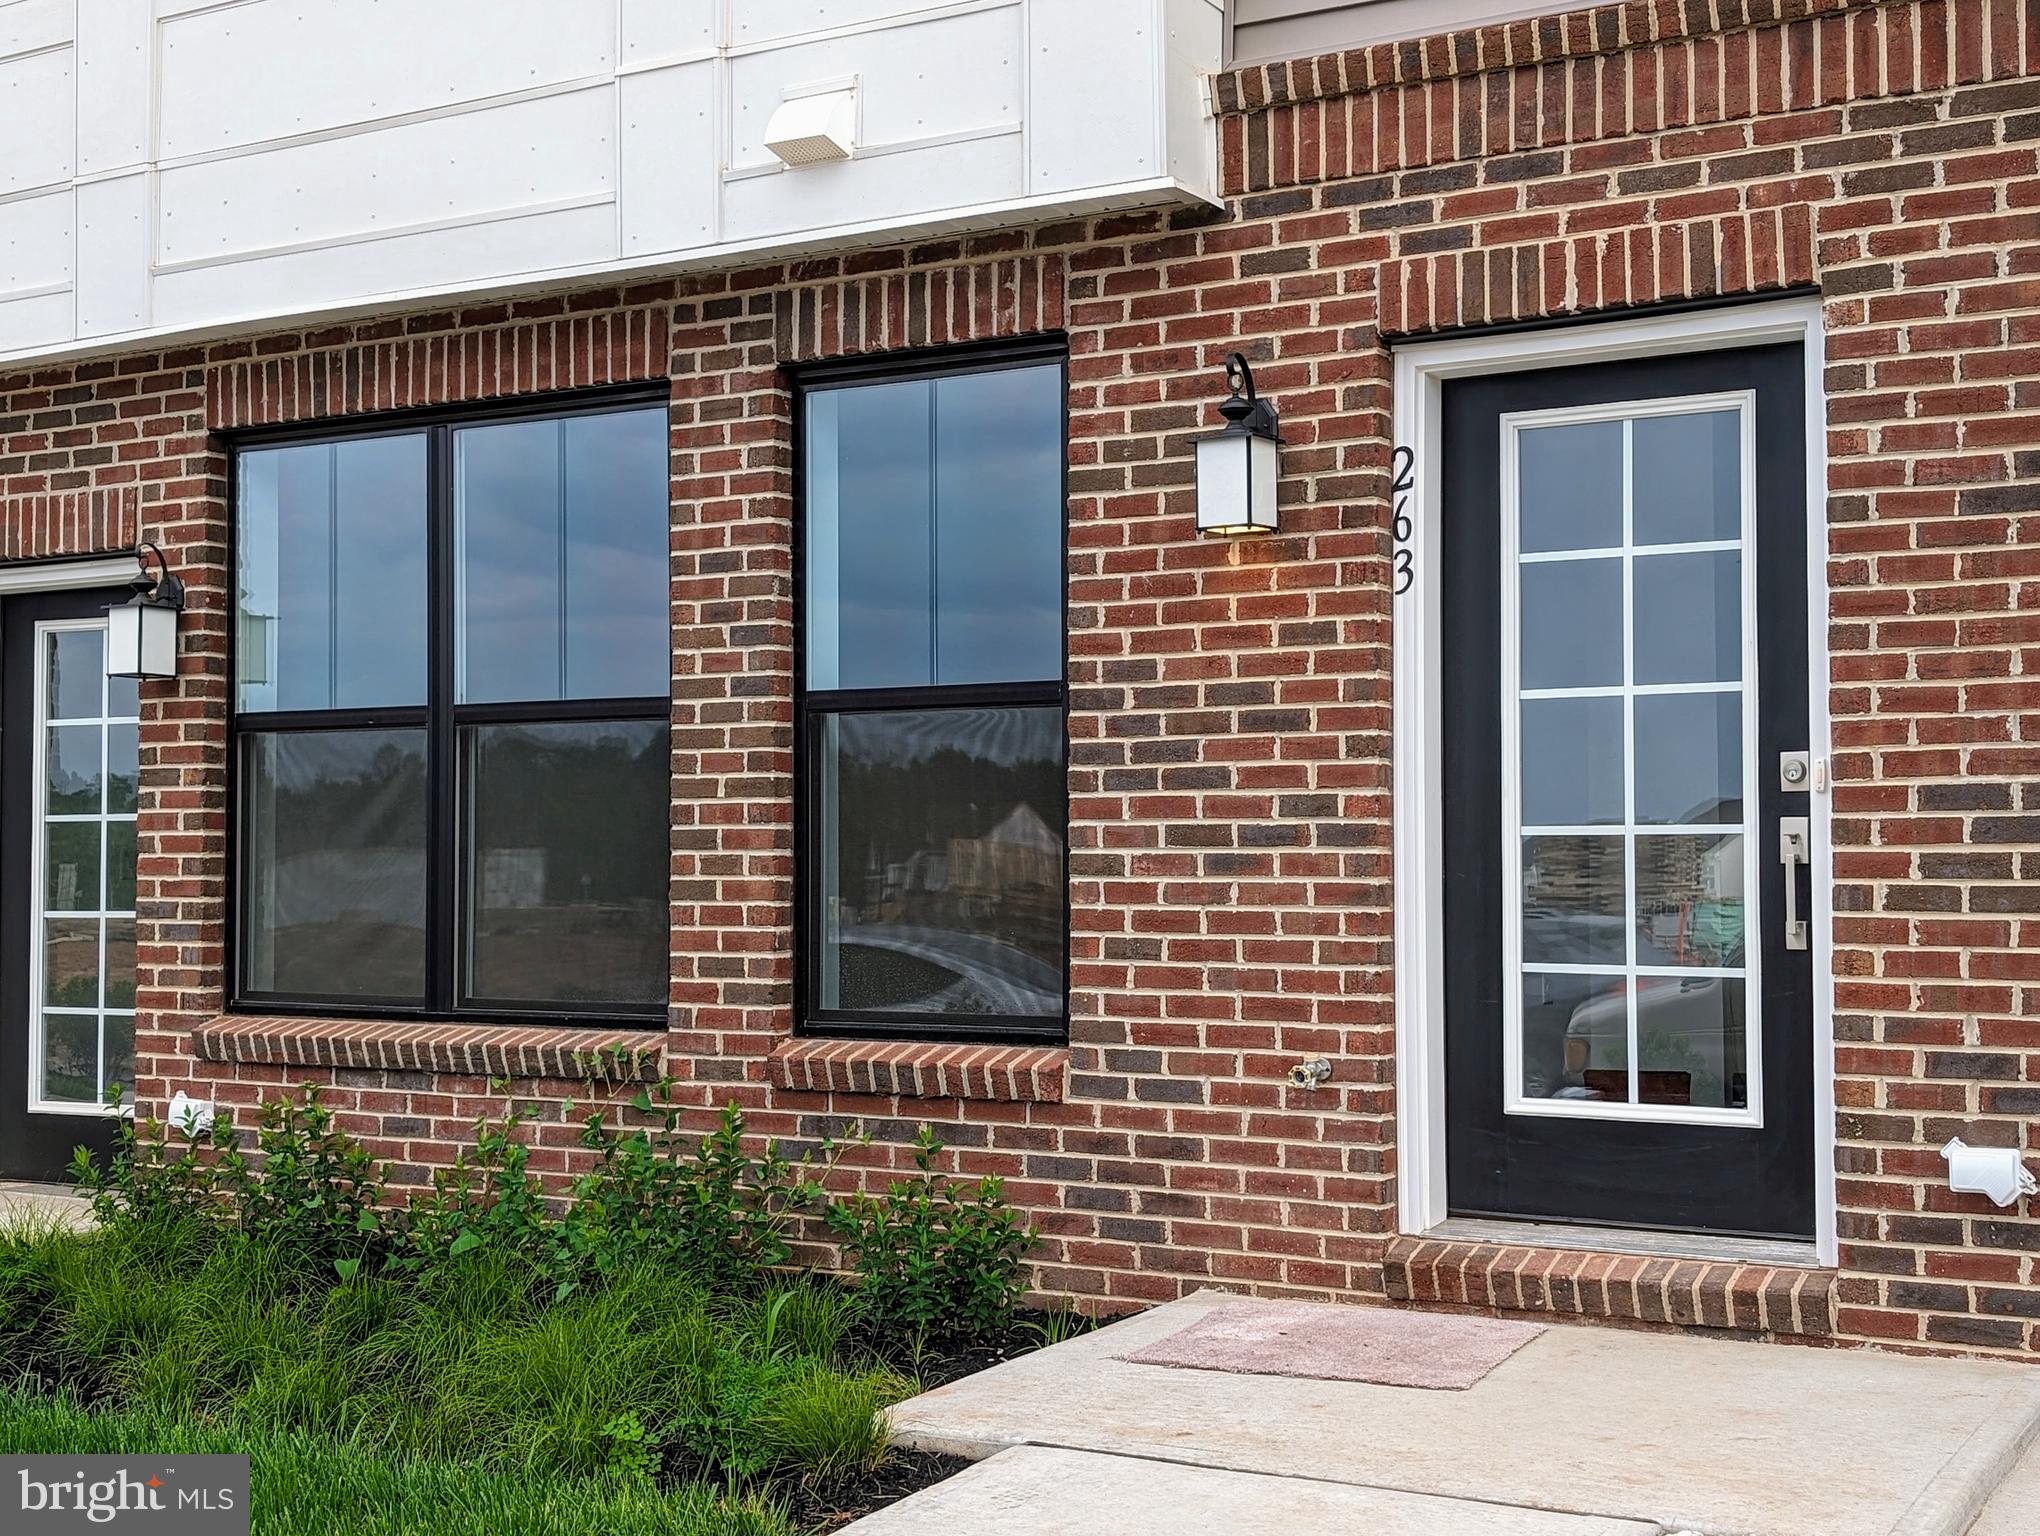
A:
x,y
1630,831
77,911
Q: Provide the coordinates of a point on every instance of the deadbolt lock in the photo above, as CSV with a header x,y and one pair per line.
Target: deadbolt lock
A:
x,y
1795,770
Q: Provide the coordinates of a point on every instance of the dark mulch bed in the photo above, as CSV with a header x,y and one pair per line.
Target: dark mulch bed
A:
x,y
901,1473
940,1363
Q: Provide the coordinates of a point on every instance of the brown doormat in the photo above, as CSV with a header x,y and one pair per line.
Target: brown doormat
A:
x,y
1340,1343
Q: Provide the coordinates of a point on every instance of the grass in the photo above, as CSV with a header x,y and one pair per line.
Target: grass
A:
x,y
307,1485
473,1384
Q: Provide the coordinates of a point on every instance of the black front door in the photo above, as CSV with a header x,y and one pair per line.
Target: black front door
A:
x,y
69,743
1629,1013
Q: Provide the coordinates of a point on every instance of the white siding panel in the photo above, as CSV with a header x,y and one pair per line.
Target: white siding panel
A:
x,y
331,277
27,25
113,255
1093,114
917,81
755,21
657,29
874,191
38,136
238,76
38,322
35,242
669,177
113,84
476,164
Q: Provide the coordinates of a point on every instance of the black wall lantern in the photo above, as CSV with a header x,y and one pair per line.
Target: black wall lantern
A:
x,y
141,633
1236,464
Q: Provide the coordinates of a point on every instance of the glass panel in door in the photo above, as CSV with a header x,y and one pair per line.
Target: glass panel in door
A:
x,y
82,952
1627,573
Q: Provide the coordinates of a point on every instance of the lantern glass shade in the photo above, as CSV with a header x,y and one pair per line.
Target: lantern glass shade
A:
x,y
141,640
1236,484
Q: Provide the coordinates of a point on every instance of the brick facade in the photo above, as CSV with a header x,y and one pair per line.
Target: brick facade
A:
x,y
1230,719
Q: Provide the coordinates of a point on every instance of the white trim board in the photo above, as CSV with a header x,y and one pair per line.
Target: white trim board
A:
x,y
1420,370
66,575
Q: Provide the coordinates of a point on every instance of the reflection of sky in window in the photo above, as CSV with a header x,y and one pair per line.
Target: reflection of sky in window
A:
x,y
562,533
942,574
332,574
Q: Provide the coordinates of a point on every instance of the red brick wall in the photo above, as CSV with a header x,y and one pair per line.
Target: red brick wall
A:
x,y
1230,722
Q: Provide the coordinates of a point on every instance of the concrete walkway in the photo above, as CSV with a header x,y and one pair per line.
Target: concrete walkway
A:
x,y
1584,1432
52,1204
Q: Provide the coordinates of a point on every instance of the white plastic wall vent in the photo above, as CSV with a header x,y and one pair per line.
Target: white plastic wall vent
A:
x,y
809,130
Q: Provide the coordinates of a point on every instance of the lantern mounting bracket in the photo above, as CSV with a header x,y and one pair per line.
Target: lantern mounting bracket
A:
x,y
1244,409
162,587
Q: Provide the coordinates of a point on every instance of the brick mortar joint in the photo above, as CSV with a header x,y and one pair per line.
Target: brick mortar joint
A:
x,y
1490,49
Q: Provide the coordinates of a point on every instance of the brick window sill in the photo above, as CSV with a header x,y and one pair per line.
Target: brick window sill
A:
x,y
473,1050
921,1069
1613,1287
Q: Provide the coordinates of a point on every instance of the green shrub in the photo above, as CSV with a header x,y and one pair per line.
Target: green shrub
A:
x,y
310,1191
937,1258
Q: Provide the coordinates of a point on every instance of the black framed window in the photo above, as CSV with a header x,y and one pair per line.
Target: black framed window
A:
x,y
932,711
452,667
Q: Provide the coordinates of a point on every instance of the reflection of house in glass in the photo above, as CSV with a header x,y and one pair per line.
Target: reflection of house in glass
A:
x,y
975,928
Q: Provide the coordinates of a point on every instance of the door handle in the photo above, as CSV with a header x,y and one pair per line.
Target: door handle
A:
x,y
1794,849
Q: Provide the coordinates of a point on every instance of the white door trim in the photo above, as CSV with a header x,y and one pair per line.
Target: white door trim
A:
x,y
1420,370
66,575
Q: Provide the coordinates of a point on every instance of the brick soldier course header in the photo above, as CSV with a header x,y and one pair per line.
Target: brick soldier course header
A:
x,y
1230,705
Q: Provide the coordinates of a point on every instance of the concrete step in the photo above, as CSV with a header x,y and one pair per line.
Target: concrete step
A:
x,y
1040,1491
1671,1431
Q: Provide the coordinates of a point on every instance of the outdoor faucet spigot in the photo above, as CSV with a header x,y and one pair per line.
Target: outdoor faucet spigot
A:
x,y
1311,1072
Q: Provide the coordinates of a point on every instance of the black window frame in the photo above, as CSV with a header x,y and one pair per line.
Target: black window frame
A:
x,y
447,894
811,704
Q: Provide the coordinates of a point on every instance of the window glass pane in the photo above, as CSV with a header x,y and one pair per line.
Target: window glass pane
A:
x,y
71,866
1571,623
507,491
120,865
870,489
123,767
332,540
1575,1036
1569,486
562,536
1573,901
1572,762
1691,1041
567,863
1688,478
77,663
70,962
117,1032
120,962
1689,618
70,1065
934,517
1689,758
71,760
333,850
618,568
1689,900
940,853
998,526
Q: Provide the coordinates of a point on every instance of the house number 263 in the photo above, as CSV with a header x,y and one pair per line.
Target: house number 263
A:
x,y
1402,463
